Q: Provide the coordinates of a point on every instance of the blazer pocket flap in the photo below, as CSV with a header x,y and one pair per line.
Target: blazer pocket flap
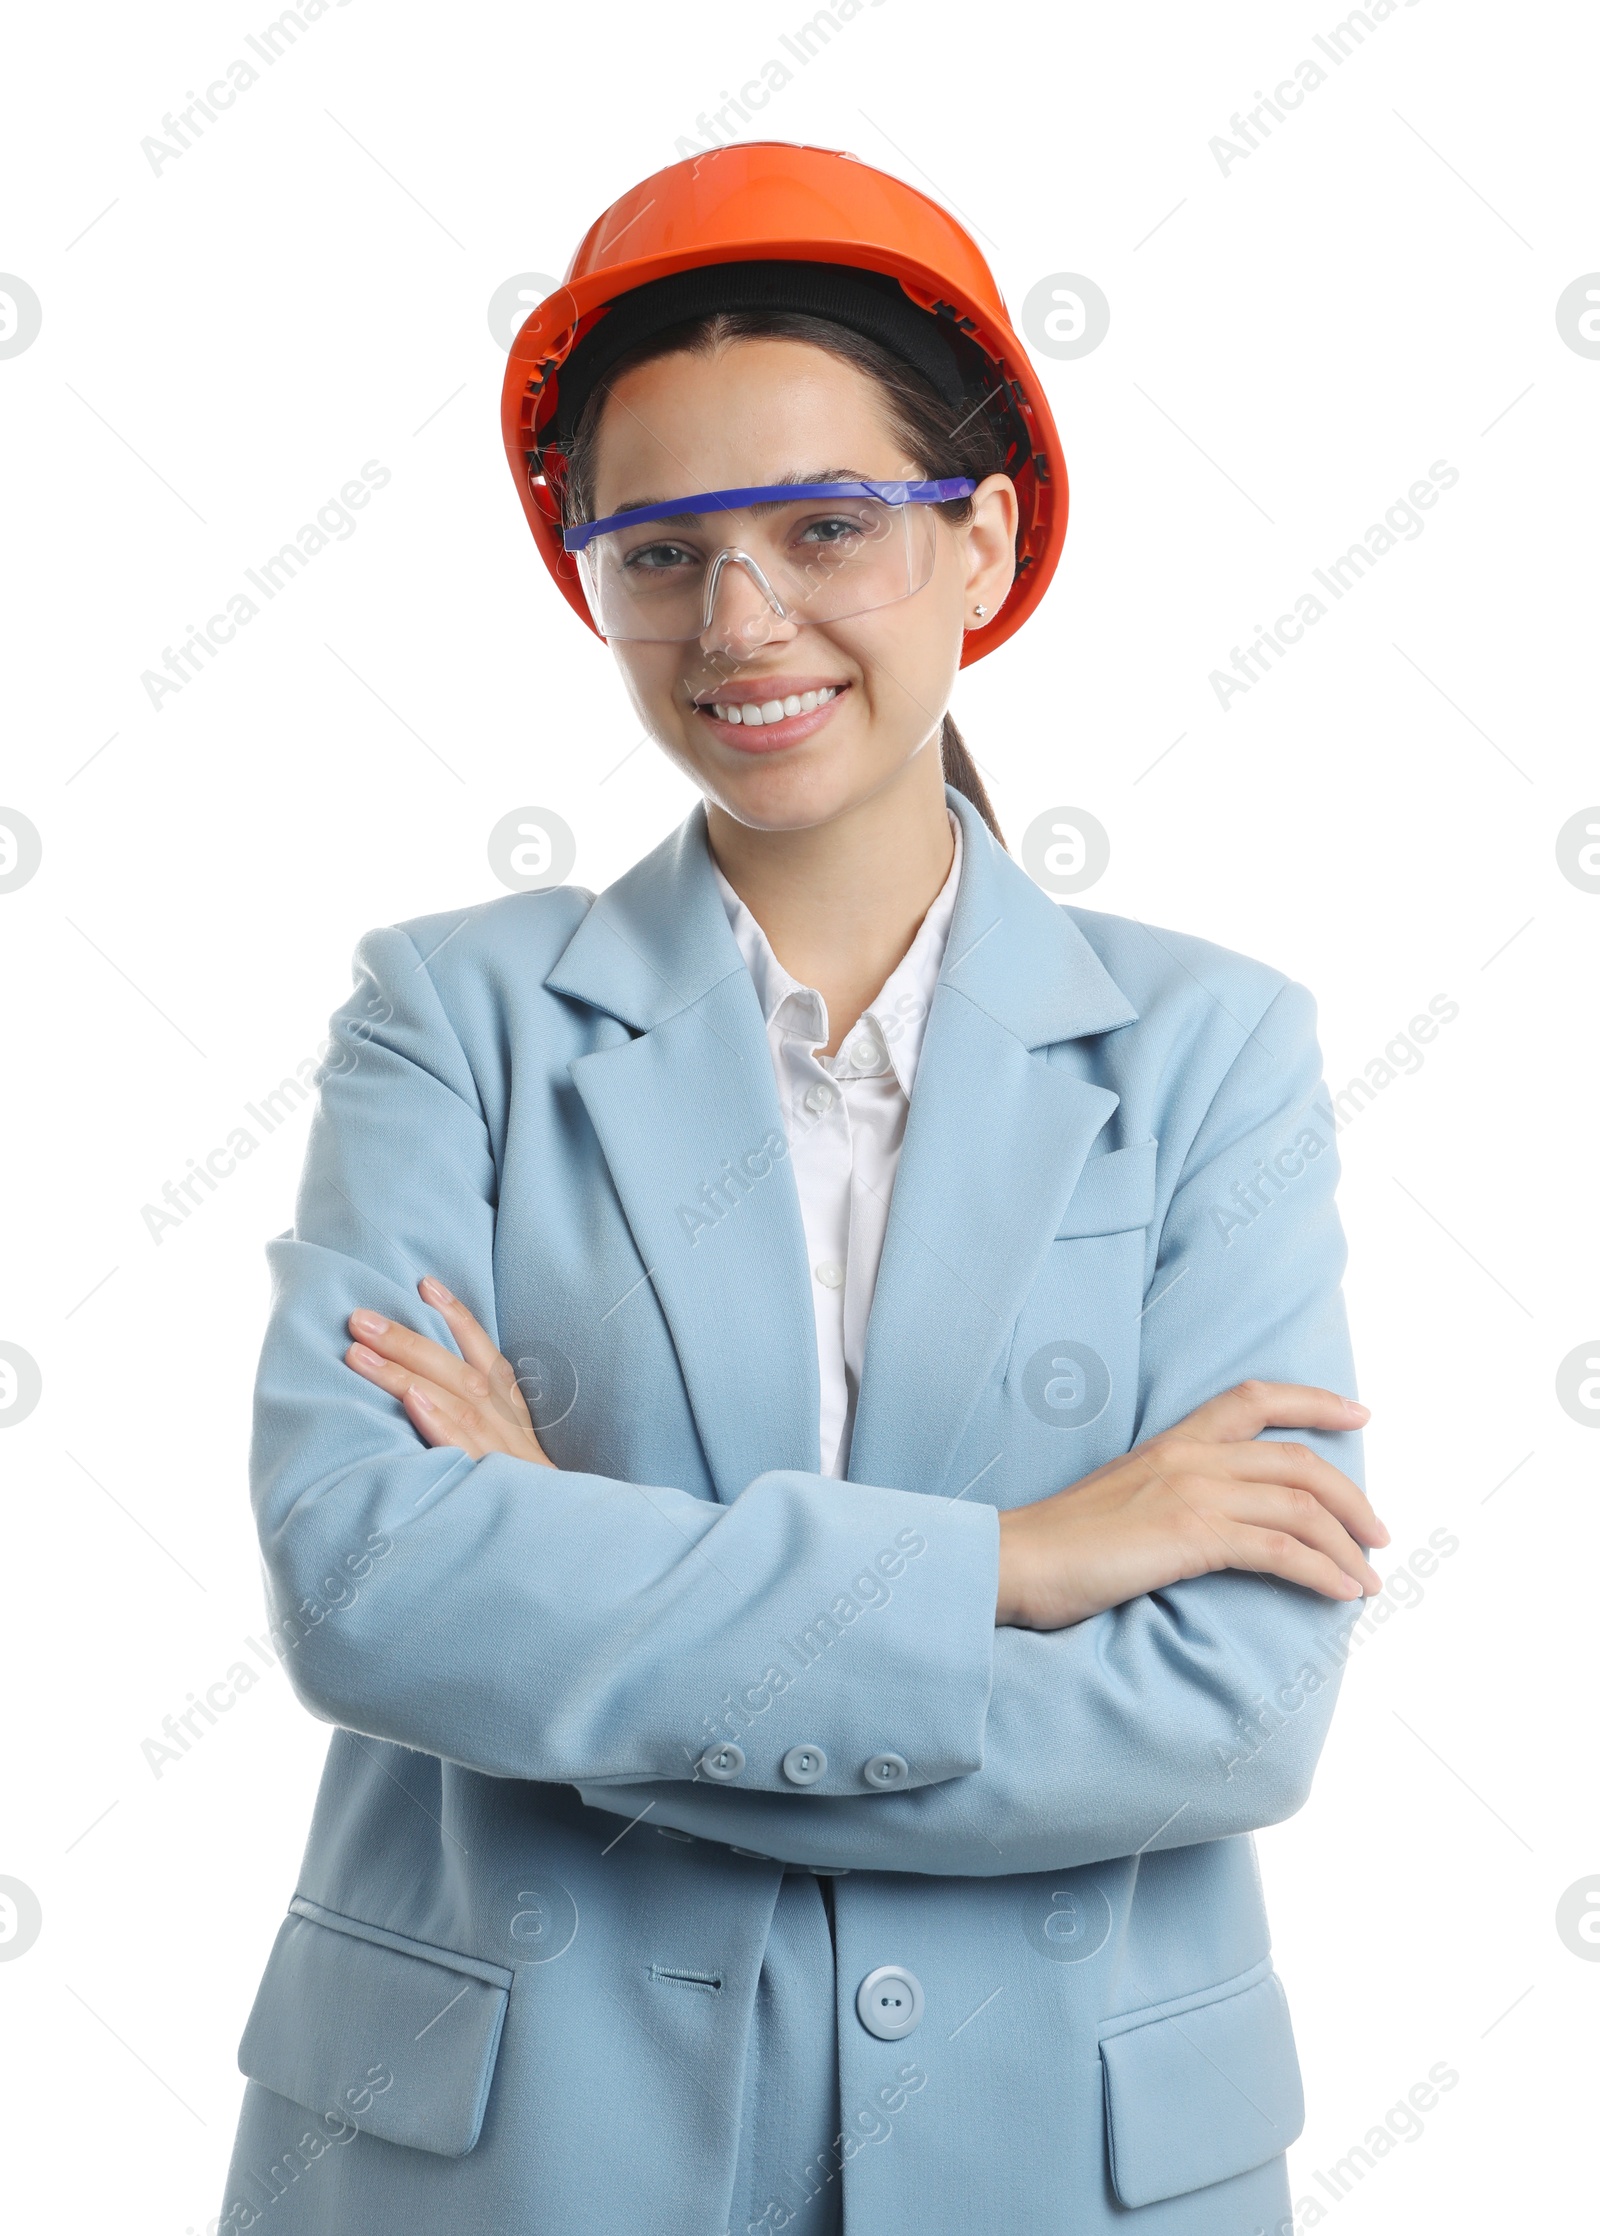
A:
x,y
1113,1192
1201,2094
393,2036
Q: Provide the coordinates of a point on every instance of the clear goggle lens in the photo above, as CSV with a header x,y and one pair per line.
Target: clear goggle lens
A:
x,y
801,559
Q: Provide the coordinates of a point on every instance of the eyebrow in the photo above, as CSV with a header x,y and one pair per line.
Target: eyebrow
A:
x,y
798,477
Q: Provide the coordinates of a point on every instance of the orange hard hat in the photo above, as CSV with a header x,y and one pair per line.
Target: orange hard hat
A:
x,y
767,202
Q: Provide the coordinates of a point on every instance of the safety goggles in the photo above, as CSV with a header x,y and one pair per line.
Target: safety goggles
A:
x,y
815,551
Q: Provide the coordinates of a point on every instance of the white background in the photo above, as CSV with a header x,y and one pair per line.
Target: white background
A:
x,y
1292,344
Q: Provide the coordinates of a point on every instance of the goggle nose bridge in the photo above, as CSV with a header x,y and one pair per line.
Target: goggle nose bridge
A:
x,y
729,552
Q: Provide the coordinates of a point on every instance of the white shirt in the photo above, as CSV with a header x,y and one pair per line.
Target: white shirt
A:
x,y
845,1117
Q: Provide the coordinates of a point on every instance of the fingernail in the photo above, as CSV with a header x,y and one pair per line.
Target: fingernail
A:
x,y
1354,1405
368,1323
1349,1588
361,1356
422,1404
435,1291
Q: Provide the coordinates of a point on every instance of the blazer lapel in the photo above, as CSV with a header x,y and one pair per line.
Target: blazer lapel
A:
x,y
995,1139
687,1118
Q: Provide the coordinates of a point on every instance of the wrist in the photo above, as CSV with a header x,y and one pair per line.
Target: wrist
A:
x,y
1009,1589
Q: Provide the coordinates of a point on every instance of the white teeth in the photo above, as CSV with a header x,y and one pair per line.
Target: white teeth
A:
x,y
752,713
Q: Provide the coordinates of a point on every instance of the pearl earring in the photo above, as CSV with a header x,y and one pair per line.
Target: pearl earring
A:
x,y
980,611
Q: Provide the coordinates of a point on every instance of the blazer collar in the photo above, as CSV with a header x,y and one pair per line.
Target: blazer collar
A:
x,y
659,939
1016,954
686,1114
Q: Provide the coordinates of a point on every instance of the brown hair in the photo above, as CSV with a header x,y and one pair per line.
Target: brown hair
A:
x,y
918,418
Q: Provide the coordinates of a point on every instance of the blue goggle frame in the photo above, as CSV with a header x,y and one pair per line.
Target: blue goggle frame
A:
x,y
735,500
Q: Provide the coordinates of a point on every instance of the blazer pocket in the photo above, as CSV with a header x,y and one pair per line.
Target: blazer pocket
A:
x,y
394,2036
1113,1193
1205,2091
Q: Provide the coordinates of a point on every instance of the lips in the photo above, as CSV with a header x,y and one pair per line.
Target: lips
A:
x,y
759,717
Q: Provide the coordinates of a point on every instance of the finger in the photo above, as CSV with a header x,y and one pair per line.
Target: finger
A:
x,y
1272,1506
387,1374
1224,1516
405,1385
1275,1460
1246,1410
439,1420
443,1419
478,1349
1271,1552
477,1346
391,1339
440,1416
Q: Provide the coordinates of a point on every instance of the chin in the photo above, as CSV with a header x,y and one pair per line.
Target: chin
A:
x,y
779,799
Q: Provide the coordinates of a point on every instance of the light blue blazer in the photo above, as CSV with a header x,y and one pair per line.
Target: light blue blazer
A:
x,y
494,2007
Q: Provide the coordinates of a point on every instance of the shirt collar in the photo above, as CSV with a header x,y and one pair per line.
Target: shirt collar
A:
x,y
899,1009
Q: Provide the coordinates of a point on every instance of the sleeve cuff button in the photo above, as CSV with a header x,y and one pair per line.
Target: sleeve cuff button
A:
x,y
887,1770
803,1766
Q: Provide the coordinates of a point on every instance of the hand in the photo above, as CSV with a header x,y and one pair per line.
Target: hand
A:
x,y
1202,1496
473,1402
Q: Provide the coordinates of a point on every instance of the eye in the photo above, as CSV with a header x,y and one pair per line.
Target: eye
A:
x,y
834,529
659,558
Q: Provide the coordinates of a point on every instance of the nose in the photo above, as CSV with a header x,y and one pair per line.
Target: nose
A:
x,y
743,615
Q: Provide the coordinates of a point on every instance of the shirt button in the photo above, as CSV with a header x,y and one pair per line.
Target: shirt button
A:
x,y
818,1099
886,1770
863,1053
889,2003
722,1764
830,1275
803,1766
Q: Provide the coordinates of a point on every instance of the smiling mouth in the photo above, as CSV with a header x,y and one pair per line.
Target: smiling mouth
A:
x,y
754,714
753,724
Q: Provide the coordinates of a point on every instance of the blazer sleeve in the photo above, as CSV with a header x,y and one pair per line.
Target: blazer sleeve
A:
x,y
525,1621
1187,1714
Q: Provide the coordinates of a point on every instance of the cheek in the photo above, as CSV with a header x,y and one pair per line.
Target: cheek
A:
x,y
651,680
908,655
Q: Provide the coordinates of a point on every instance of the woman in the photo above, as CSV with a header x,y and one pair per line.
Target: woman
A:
x,y
801,1433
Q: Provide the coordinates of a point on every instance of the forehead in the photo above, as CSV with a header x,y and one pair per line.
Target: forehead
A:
x,y
750,413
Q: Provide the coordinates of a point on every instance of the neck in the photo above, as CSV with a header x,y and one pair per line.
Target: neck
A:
x,y
841,901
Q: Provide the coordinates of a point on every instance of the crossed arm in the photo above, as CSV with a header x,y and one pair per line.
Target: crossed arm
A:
x,y
1148,1658
1200,1497
1077,1711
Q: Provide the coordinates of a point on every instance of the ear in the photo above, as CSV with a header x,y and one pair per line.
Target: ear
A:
x,y
990,537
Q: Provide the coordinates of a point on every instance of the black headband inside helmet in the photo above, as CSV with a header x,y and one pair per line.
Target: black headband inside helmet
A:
x,y
869,303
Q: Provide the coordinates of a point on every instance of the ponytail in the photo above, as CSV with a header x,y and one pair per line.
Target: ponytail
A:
x,y
961,774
